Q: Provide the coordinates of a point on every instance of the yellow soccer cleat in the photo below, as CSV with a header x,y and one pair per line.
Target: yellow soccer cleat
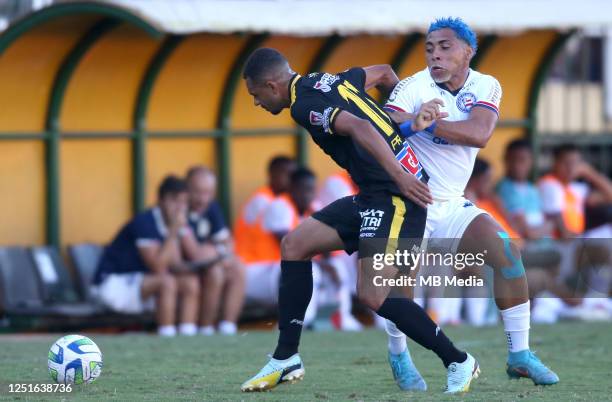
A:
x,y
460,375
276,372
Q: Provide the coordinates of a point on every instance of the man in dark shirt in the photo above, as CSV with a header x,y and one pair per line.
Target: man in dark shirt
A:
x,y
361,138
223,283
135,268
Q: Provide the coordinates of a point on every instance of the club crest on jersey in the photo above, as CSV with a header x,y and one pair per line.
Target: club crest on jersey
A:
x,y
316,118
465,101
325,82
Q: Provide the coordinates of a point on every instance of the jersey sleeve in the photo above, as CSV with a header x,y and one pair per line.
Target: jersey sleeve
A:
x,y
254,208
315,114
278,217
489,94
403,96
356,76
145,232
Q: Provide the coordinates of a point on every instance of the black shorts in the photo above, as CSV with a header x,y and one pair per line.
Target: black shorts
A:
x,y
374,223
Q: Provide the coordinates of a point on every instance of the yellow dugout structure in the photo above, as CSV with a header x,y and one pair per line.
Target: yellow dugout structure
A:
x,y
98,104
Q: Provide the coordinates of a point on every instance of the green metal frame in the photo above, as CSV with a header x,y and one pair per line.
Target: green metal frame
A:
x,y
52,152
224,119
31,21
404,50
540,77
534,93
483,47
142,104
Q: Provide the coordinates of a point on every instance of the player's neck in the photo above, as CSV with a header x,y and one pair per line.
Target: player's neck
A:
x,y
457,82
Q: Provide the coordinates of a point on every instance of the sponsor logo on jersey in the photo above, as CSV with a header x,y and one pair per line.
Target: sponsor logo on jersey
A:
x,y
409,160
399,87
465,101
467,204
325,82
326,117
316,118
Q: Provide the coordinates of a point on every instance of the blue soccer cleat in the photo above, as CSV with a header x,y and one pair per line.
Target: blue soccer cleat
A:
x,y
276,372
526,364
405,372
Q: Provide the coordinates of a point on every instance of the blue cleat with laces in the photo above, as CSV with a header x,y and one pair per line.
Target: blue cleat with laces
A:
x,y
405,372
526,364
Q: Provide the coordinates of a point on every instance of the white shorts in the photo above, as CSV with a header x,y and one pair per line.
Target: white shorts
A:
x,y
263,279
449,219
262,282
121,293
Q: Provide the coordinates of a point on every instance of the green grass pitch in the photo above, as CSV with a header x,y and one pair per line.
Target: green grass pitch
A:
x,y
339,367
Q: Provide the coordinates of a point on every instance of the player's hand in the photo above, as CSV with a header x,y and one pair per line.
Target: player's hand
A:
x,y
427,114
178,220
414,189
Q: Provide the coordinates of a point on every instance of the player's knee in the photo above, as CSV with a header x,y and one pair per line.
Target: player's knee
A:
x,y
292,249
369,299
214,276
191,286
167,284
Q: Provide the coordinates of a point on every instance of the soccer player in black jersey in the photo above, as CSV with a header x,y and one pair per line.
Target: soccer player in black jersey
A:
x,y
390,208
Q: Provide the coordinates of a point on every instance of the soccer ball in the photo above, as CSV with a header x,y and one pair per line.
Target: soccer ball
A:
x,y
74,359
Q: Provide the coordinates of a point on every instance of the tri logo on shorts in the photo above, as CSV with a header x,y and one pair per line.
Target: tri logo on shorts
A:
x,y
370,222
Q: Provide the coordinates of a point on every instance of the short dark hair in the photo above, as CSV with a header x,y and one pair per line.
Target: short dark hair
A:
x,y
481,166
301,174
563,149
260,61
518,144
278,162
171,185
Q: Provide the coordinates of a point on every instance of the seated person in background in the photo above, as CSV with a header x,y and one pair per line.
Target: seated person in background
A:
x,y
143,270
223,281
336,186
247,228
519,196
564,199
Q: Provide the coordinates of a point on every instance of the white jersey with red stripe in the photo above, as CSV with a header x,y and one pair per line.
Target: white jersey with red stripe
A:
x,y
449,165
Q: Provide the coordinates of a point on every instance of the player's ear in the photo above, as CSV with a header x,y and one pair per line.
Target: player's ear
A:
x,y
469,52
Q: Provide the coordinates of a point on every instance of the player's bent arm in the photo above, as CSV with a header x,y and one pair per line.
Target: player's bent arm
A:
x,y
399,117
382,77
474,132
364,134
159,258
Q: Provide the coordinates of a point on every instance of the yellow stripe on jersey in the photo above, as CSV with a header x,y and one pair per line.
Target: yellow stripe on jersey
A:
x,y
349,92
396,224
293,81
331,120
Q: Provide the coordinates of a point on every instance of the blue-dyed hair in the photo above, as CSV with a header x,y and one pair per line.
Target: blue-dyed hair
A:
x,y
461,29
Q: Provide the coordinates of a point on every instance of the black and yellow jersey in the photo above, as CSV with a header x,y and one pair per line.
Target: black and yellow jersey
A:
x,y
316,101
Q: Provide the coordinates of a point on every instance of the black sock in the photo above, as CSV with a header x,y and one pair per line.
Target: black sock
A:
x,y
413,321
294,293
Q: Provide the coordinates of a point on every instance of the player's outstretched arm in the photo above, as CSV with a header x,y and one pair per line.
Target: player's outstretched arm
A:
x,y
382,77
362,132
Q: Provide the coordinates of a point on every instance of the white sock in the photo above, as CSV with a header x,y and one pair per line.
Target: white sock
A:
x,y
188,329
207,330
166,330
396,338
227,328
516,325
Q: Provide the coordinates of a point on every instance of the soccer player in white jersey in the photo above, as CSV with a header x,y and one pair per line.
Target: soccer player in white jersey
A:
x,y
465,106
